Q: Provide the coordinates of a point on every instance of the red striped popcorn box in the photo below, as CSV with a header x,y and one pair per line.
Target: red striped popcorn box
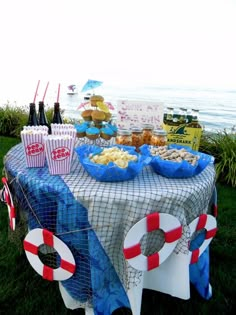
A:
x,y
66,131
36,128
58,127
59,153
34,149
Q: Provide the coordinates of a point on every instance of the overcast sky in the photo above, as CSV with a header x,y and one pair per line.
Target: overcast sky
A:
x,y
157,41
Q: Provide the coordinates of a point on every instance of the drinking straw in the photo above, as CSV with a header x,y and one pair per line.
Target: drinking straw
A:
x,y
58,93
36,92
45,91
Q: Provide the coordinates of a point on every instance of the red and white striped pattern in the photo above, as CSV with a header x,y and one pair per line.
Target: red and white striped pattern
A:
x,y
63,129
207,222
37,237
59,153
33,142
154,221
7,198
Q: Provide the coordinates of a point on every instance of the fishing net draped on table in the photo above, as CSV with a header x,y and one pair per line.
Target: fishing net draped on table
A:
x,y
92,218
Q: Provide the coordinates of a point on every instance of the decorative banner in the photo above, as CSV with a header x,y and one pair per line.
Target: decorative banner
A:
x,y
136,113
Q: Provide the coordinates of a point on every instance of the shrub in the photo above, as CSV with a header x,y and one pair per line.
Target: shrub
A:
x,y
13,118
222,145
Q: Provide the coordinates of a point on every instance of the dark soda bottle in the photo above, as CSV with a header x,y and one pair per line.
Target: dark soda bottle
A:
x,y
32,120
57,119
42,118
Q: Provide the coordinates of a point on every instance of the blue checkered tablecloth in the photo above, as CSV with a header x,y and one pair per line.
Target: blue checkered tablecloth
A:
x,y
93,218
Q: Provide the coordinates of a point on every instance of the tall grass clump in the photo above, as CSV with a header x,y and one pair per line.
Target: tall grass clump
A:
x,y
222,145
12,118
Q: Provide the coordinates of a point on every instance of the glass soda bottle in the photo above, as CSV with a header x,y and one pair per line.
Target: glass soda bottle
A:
x,y
195,119
57,119
42,118
41,115
169,115
32,119
183,115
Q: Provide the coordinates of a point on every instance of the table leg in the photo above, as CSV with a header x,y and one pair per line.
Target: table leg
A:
x,y
171,277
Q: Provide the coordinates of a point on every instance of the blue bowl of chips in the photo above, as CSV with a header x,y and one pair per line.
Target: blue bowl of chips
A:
x,y
113,163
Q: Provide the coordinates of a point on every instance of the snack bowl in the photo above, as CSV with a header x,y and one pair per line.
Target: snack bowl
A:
x,y
176,169
111,172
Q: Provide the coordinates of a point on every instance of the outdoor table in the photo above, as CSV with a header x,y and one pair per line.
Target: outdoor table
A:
x,y
93,218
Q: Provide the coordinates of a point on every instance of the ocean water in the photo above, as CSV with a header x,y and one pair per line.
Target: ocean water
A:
x,y
217,107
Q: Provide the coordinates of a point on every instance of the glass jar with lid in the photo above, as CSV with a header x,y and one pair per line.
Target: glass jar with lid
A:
x,y
137,137
147,133
124,137
159,137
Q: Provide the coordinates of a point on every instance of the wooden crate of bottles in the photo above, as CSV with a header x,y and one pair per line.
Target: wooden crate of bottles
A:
x,y
183,131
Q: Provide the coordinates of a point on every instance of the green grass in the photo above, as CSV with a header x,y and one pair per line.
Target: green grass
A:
x,y
23,291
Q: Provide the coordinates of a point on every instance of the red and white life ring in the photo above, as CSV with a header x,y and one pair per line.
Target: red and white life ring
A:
x,y
7,198
207,222
154,221
37,237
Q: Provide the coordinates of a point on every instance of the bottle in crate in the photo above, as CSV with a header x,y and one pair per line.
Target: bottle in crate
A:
x,y
195,119
183,116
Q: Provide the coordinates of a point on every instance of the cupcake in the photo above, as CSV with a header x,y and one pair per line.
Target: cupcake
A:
x,y
81,129
98,116
87,114
92,133
106,133
113,128
96,98
107,116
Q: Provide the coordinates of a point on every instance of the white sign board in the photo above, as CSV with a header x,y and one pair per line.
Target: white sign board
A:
x,y
136,113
